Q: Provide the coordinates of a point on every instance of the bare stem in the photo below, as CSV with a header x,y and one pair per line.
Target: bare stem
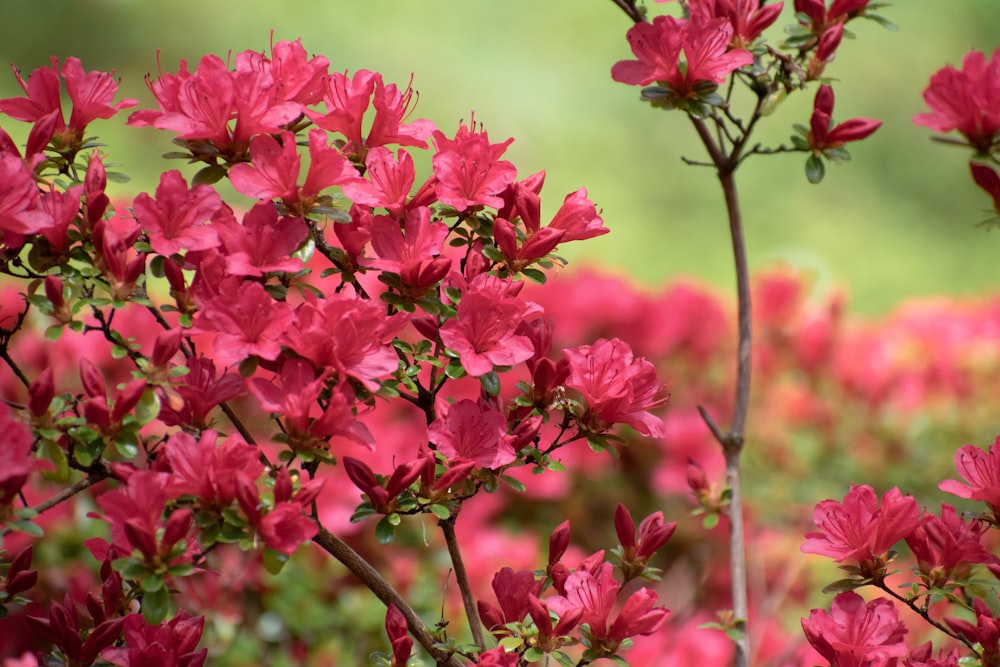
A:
x,y
633,12
732,441
371,578
475,625
93,478
927,617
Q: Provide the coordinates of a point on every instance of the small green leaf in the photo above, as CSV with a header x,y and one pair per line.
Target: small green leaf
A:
x,y
514,484
534,275
511,643
385,532
440,511
155,605
152,583
710,521
213,173
534,654
491,383
394,519
815,169
148,407
54,332
273,560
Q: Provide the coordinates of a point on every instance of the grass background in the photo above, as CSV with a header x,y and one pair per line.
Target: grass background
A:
x,y
898,221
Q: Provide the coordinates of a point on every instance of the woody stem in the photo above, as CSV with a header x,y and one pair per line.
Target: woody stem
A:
x,y
732,441
475,625
371,578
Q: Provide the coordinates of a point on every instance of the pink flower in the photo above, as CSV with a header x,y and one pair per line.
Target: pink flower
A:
x,y
653,534
469,170
179,217
474,432
346,334
616,387
748,18
512,590
20,213
247,322
274,170
198,393
398,632
981,471
347,101
658,47
389,180
945,546
171,644
91,95
263,243
861,529
967,100
16,458
823,135
987,178
855,634
207,469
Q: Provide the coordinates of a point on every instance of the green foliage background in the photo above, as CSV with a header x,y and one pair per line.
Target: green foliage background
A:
x,y
898,221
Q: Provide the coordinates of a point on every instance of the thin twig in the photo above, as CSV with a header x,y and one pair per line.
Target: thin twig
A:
x,y
371,578
475,625
91,479
633,12
732,441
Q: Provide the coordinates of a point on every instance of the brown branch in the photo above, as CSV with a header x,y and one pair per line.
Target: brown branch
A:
x,y
95,476
371,578
633,12
475,625
732,441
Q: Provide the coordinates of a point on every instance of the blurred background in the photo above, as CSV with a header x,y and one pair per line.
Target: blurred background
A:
x,y
898,221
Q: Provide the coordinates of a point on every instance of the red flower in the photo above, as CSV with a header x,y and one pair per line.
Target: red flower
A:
x,y
616,387
981,471
20,213
748,18
397,631
967,100
179,217
170,644
347,102
16,458
389,180
263,243
986,631
945,546
512,590
347,334
246,323
823,135
198,393
208,470
276,165
485,333
469,170
473,432
855,634
862,530
91,95
658,47
821,19
987,178
653,534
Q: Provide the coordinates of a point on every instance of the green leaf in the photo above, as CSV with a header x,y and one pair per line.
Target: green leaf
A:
x,y
710,521
51,451
454,370
394,519
491,383
148,407
119,352
155,605
152,583
213,173
385,532
126,445
511,643
440,511
844,585
882,21
54,332
27,527
248,366
273,560
534,654
118,177
618,660
514,484
815,169
534,275
181,570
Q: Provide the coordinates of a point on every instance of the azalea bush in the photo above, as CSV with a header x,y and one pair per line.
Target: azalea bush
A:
x,y
322,398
